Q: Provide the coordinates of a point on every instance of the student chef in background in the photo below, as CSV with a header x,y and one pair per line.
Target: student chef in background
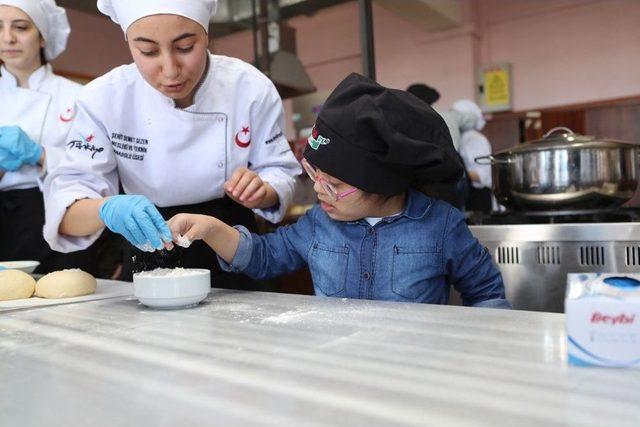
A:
x,y
473,144
36,112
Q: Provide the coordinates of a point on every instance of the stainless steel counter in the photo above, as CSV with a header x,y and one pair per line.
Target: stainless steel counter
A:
x,y
252,359
534,259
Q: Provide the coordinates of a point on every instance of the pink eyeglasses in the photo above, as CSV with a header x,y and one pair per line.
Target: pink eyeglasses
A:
x,y
326,186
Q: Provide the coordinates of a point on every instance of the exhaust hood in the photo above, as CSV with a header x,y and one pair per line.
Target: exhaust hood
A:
x,y
273,40
288,75
284,68
430,15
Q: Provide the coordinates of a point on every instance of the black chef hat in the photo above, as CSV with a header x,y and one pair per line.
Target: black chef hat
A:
x,y
381,140
424,92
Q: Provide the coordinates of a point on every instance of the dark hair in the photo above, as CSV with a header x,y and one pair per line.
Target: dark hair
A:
x,y
424,92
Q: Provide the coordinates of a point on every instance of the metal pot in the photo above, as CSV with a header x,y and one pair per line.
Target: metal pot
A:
x,y
564,171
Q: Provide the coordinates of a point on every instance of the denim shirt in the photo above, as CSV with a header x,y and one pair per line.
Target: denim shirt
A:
x,y
415,256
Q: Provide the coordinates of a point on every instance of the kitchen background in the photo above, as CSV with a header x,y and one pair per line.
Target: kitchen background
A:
x,y
573,63
570,58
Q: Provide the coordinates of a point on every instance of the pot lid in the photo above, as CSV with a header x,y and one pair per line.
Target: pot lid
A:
x,y
563,138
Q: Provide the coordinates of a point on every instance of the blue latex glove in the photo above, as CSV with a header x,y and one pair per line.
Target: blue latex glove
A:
x,y
19,145
9,162
137,219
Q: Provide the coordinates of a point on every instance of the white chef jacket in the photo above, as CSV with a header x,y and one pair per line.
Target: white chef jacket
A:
x,y
451,119
45,113
474,144
128,133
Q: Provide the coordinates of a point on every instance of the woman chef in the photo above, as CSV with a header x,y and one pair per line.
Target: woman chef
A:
x,y
178,129
36,111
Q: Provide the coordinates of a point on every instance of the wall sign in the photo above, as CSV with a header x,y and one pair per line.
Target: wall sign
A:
x,y
494,88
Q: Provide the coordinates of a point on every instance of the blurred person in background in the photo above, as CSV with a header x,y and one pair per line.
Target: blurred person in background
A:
x,y
473,144
452,193
36,113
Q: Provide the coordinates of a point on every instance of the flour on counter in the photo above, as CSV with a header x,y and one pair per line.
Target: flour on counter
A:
x,y
289,316
169,272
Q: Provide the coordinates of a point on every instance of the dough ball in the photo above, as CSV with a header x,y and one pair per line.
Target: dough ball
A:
x,y
15,284
66,284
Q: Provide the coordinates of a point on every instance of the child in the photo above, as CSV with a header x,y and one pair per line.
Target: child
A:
x,y
372,236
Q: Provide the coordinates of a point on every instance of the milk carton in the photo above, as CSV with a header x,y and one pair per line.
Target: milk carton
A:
x,y
603,319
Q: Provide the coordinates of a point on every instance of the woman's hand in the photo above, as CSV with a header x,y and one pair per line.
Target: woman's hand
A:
x,y
248,189
8,162
138,220
17,149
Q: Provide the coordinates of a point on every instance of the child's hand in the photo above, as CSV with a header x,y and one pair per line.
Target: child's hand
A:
x,y
220,237
190,227
247,188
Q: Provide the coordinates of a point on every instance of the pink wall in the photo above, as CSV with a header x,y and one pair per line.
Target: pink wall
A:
x,y
562,51
329,46
96,45
406,54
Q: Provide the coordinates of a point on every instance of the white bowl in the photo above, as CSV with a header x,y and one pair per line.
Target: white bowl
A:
x,y
172,287
26,266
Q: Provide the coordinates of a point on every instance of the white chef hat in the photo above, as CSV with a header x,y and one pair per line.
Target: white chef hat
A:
x,y
50,19
470,107
126,12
